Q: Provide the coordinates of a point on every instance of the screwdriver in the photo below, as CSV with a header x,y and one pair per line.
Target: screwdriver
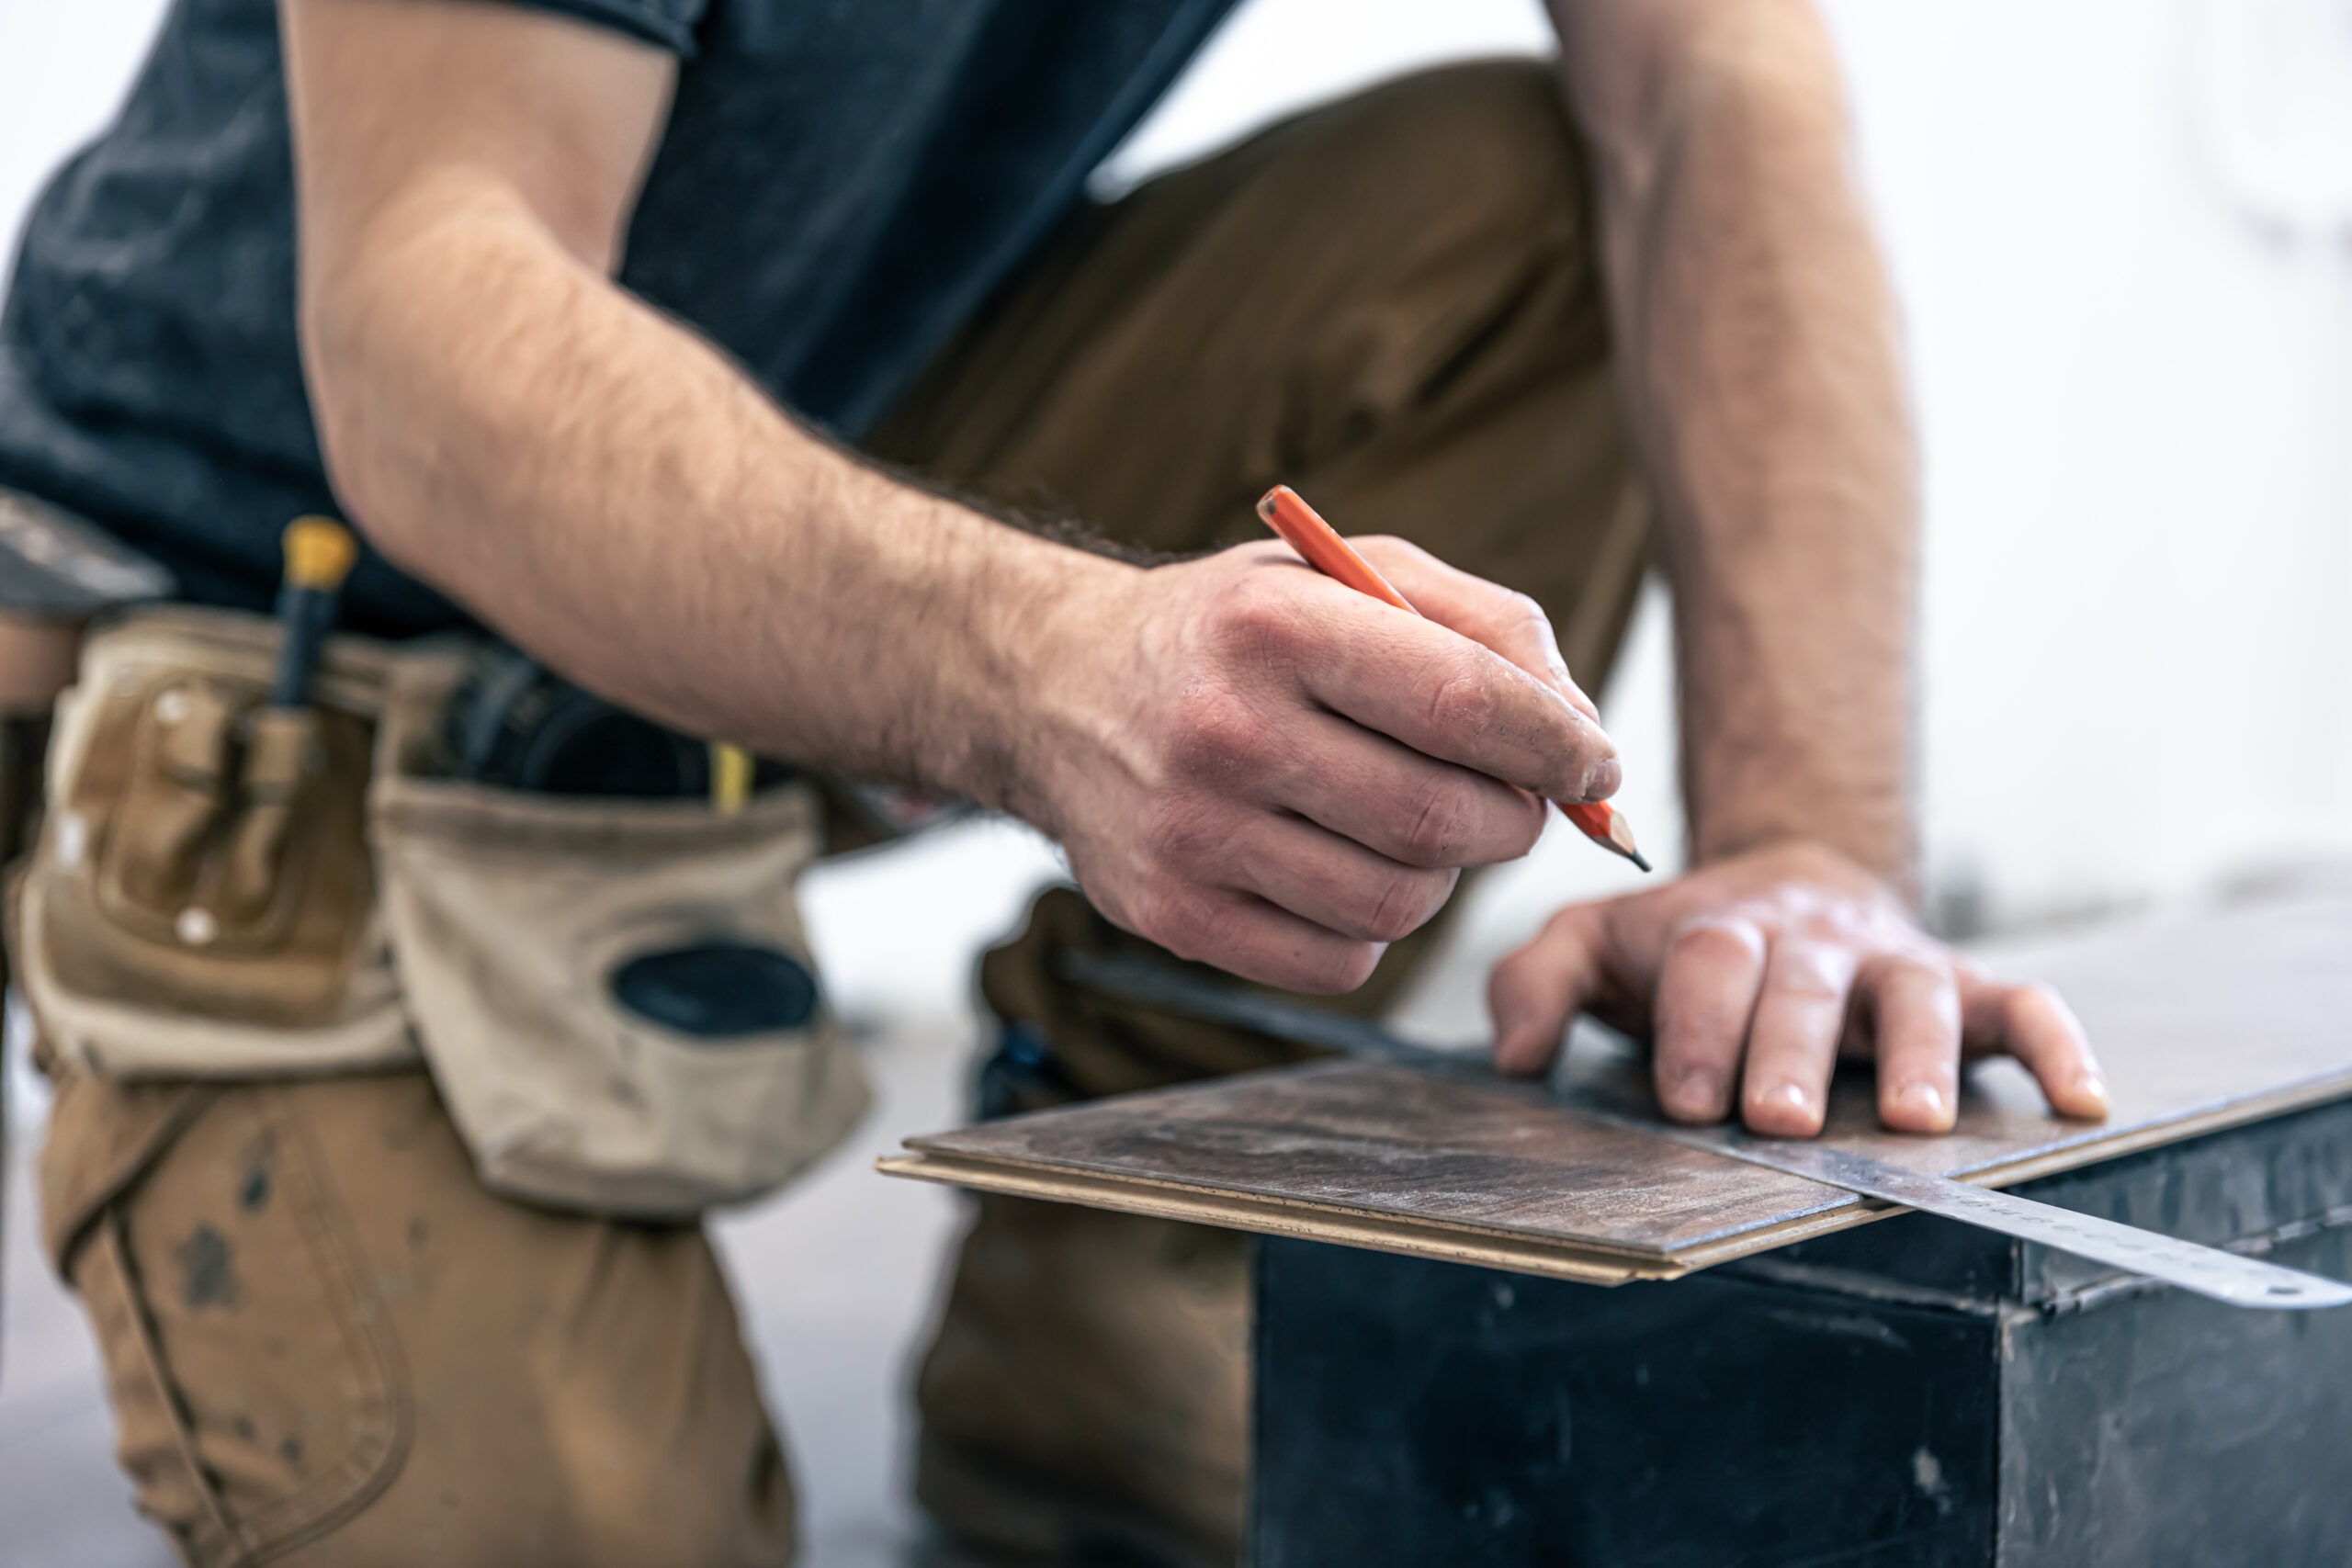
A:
x,y
1305,531
319,554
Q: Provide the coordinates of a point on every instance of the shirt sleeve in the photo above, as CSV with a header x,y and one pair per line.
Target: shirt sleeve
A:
x,y
667,23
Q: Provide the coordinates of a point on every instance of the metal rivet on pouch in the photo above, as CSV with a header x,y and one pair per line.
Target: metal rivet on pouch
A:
x,y
73,839
195,927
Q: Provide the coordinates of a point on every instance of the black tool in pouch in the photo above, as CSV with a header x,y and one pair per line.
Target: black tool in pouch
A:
x,y
514,724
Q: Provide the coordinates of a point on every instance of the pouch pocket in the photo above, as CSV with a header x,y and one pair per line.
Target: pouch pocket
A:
x,y
558,954
200,902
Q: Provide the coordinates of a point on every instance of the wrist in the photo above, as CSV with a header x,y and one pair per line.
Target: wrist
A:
x,y
1879,840
1049,620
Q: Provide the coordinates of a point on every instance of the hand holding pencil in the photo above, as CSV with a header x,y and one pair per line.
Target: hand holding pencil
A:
x,y
1259,771
1305,531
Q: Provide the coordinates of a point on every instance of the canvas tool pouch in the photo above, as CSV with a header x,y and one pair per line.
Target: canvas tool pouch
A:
x,y
223,890
515,917
200,902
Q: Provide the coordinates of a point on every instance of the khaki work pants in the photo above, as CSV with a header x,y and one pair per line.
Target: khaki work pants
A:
x,y
326,1343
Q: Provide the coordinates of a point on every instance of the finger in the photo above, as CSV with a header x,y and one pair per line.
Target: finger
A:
x,y
1792,1041
1244,935
1706,994
1397,803
1333,882
1535,991
1914,1010
1510,623
1448,697
2034,1024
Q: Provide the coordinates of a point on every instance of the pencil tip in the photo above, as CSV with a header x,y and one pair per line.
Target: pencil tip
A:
x,y
1621,839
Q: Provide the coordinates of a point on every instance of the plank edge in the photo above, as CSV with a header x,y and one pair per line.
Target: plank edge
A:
x,y
1582,1263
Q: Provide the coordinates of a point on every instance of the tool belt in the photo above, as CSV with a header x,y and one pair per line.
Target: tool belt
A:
x,y
225,889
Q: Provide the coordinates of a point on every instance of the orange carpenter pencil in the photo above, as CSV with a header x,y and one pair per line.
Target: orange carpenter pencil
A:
x,y
1287,514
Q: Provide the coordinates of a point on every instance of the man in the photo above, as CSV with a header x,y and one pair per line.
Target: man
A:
x,y
597,302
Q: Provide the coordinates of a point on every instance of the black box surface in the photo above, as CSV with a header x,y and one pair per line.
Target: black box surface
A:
x,y
1912,1392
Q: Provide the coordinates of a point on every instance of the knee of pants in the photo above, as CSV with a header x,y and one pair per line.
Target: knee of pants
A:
x,y
1486,150
1094,1365
326,1342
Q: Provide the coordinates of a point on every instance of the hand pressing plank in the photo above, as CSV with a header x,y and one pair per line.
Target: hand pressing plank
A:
x,y
1753,976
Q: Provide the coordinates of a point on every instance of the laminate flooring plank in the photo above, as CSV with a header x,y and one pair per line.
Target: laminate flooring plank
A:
x,y
1392,1141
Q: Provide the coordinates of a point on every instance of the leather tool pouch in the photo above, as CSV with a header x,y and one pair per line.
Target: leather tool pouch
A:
x,y
226,891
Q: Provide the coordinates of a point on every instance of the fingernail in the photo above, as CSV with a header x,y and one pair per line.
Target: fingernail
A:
x,y
1601,780
1924,1098
2092,1085
1699,1090
1791,1095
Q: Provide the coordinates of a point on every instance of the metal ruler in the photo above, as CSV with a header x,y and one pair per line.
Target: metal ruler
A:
x,y
2205,1270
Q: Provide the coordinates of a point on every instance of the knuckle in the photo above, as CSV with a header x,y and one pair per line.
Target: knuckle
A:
x,y
1392,551
1442,821
2034,1003
1180,833
1340,968
1521,828
1568,926
1519,612
1179,918
1509,979
1797,904
1718,941
1811,971
1897,970
1922,971
1807,985
1460,702
1256,619
1532,819
1215,735
1400,907
1920,993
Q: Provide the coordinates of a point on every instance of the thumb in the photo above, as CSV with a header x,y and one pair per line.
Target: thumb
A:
x,y
1534,992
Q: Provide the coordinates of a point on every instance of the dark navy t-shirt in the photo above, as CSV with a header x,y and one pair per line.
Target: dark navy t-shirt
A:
x,y
840,183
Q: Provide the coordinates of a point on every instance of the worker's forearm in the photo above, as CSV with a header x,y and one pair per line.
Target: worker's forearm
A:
x,y
608,491
1760,363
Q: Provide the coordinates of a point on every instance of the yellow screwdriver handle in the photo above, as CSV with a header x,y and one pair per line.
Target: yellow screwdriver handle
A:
x,y
319,553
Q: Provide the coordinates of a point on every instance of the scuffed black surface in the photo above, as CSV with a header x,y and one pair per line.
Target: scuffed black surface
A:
x,y
1412,1411
2162,1431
